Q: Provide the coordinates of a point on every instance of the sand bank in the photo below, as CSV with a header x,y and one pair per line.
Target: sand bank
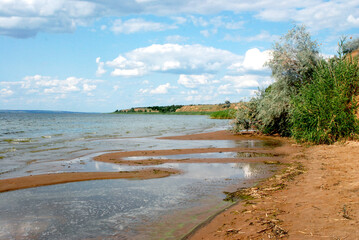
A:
x,y
57,178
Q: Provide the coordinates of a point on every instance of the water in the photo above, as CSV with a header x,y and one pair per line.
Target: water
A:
x,y
119,208
114,209
30,139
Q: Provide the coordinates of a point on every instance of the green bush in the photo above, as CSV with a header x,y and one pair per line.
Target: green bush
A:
x,y
324,111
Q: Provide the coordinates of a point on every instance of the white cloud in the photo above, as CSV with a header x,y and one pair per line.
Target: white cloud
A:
x,y
225,89
262,36
50,85
25,18
6,92
205,33
88,88
192,81
254,60
100,67
220,21
351,19
139,25
247,81
172,58
176,39
161,89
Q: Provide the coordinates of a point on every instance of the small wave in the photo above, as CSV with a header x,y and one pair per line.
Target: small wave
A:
x,y
13,132
9,150
46,136
17,140
48,149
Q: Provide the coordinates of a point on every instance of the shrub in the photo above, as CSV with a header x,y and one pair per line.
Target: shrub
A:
x,y
245,118
324,111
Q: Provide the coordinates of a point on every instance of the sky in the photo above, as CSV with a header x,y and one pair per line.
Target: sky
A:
x,y
103,55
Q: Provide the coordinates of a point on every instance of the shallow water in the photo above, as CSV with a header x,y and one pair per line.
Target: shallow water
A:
x,y
28,138
204,155
114,209
120,208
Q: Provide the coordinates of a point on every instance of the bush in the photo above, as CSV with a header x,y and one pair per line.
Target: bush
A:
x,y
324,111
245,118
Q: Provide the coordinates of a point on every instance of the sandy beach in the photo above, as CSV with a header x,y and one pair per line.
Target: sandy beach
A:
x,y
314,197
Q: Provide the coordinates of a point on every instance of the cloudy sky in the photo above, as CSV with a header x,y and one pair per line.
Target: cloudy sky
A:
x,y
102,55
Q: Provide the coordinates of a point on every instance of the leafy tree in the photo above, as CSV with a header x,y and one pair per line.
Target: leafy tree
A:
x,y
292,63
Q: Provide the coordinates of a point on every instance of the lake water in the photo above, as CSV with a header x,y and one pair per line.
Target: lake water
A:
x,y
164,208
27,139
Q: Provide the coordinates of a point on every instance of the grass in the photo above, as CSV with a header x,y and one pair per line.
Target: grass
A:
x,y
224,114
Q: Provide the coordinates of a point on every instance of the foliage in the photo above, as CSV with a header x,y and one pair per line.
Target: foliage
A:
x,y
165,109
224,114
293,59
246,116
324,111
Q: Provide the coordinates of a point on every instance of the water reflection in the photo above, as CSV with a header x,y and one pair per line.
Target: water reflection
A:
x,y
204,155
114,207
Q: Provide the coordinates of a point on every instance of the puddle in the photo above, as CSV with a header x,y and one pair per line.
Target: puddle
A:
x,y
258,143
204,156
122,209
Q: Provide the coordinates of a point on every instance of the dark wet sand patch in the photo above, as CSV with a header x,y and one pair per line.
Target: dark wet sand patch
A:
x,y
58,178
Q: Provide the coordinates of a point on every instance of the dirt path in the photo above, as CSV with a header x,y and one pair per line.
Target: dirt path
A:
x,y
321,202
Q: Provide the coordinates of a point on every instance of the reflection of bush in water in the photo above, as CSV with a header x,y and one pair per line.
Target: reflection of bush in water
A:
x,y
249,169
253,154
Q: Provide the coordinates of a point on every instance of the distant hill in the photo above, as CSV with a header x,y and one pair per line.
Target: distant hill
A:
x,y
200,108
208,107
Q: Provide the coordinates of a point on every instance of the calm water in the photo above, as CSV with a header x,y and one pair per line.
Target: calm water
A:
x,y
28,139
164,208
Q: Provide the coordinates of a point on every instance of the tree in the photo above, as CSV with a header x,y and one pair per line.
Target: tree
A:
x,y
293,60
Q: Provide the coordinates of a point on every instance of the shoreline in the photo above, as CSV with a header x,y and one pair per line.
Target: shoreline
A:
x,y
227,223
315,196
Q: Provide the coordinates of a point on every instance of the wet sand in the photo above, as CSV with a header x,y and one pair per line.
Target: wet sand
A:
x,y
117,158
58,178
315,197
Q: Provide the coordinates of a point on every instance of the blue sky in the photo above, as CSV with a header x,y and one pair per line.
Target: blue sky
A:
x,y
98,56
